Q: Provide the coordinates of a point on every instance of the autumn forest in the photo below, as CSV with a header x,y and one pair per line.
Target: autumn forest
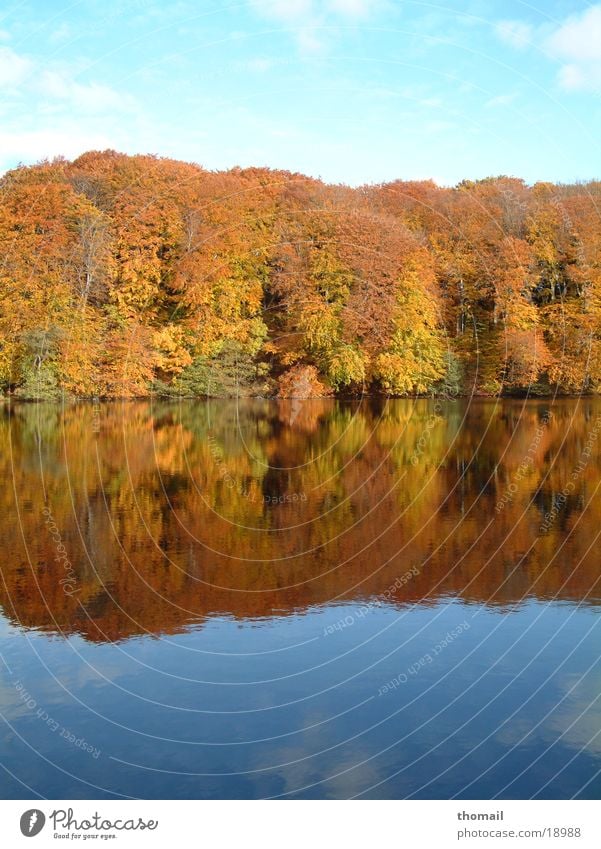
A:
x,y
126,276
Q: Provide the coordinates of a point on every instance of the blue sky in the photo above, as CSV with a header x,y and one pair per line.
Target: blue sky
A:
x,y
350,90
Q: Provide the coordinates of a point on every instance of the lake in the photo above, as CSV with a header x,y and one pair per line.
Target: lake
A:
x,y
301,599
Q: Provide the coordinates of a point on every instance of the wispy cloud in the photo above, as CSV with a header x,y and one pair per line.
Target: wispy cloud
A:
x,y
353,8
500,100
577,42
307,16
61,33
13,68
295,10
29,146
53,113
19,74
516,33
284,10
90,97
259,64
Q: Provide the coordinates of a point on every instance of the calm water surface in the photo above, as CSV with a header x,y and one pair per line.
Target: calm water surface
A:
x,y
301,599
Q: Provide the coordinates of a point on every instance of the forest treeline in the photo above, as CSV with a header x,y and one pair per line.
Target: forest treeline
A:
x,y
123,276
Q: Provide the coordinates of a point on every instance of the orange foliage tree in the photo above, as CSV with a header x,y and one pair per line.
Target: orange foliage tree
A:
x,y
126,275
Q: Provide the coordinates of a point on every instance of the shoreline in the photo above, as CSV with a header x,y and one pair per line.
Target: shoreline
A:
x,y
81,399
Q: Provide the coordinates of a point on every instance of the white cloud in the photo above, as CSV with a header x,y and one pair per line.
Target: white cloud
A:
x,y
260,65
52,113
577,42
91,97
579,37
352,8
62,33
500,100
308,40
516,33
306,16
13,68
46,143
20,75
284,10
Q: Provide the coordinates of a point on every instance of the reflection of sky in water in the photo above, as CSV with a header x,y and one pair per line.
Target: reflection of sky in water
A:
x,y
203,656
195,715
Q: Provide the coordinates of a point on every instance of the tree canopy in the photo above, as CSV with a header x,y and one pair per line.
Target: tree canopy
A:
x,y
123,276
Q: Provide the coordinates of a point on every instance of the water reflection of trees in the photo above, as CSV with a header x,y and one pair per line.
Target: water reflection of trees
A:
x,y
172,512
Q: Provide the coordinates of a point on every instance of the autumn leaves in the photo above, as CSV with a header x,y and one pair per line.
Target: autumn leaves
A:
x,y
122,276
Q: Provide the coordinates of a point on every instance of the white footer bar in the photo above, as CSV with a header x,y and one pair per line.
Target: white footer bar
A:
x,y
301,824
